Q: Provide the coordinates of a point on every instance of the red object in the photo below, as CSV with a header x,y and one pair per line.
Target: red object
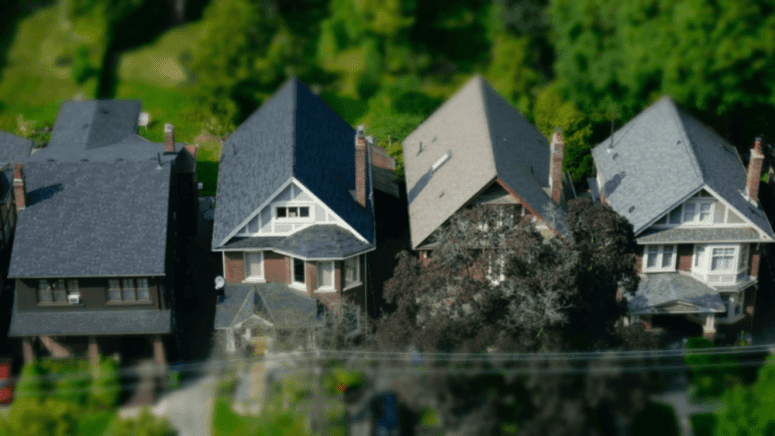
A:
x,y
6,391
341,387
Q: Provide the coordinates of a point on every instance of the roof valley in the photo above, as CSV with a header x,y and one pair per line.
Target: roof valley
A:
x,y
689,147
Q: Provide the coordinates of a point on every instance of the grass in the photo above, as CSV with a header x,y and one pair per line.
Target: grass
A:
x,y
658,419
703,424
33,83
95,423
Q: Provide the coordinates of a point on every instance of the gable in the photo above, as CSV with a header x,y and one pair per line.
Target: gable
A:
x,y
296,200
494,194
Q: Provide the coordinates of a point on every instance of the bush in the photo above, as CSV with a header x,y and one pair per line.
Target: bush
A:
x,y
146,425
68,380
52,418
710,380
31,385
106,388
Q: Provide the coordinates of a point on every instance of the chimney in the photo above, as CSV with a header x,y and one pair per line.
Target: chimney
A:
x,y
360,167
555,170
19,190
169,138
754,171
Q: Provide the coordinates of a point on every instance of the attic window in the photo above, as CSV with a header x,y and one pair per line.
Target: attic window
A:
x,y
293,212
443,159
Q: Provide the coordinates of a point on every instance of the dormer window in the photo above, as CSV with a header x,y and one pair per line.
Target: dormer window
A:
x,y
293,212
695,212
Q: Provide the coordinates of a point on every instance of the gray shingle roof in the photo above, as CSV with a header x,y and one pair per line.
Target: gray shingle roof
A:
x,y
663,156
678,235
325,241
293,134
79,323
92,219
488,139
274,302
254,242
14,149
656,292
92,124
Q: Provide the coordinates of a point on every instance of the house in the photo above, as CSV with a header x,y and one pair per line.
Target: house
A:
x,y
695,213
94,256
477,149
13,149
295,203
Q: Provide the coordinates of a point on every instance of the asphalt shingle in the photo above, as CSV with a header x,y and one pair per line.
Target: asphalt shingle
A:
x,y
75,323
293,134
325,241
656,292
274,302
699,235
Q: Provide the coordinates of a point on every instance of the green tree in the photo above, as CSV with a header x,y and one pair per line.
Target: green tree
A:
x,y
748,409
32,384
68,381
106,387
49,417
551,112
710,372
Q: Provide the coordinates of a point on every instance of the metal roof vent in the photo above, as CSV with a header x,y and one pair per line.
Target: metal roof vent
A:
x,y
442,160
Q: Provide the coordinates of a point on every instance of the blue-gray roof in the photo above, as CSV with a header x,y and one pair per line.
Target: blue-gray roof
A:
x,y
14,149
254,242
662,292
293,134
324,241
88,322
92,124
92,219
662,157
699,235
274,302
487,138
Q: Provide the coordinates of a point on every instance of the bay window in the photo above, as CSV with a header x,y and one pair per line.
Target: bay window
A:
x,y
254,266
719,262
722,260
326,275
659,258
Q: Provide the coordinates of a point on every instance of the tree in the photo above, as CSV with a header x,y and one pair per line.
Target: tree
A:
x,y
144,425
47,417
748,410
709,372
106,387
551,112
493,280
31,384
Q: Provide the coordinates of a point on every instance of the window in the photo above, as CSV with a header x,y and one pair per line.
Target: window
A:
x,y
55,291
699,256
722,259
692,212
293,212
254,265
662,221
298,271
127,290
742,261
689,212
44,292
326,275
675,216
705,212
659,258
114,290
352,268
142,289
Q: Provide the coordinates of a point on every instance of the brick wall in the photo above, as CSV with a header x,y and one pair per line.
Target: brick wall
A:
x,y
685,252
275,267
234,268
338,266
311,274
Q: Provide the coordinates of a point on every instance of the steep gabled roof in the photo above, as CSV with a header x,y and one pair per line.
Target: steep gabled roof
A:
x,y
662,157
487,139
293,134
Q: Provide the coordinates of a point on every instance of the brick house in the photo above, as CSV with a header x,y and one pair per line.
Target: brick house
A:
x,y
294,210
696,217
94,254
478,149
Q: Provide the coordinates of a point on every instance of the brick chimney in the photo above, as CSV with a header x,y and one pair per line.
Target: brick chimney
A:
x,y
19,190
555,171
360,167
169,138
754,171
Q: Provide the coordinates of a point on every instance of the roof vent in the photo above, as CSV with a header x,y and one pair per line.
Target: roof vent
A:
x,y
50,160
631,209
443,159
615,156
119,160
84,160
679,141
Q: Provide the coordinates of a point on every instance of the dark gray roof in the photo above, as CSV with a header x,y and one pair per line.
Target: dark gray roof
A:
x,y
254,242
293,134
92,124
662,157
14,149
324,241
488,139
657,292
594,190
79,323
685,236
274,302
92,219
228,304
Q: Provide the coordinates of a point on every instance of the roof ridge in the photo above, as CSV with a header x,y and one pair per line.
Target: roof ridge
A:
x,y
689,146
295,120
483,95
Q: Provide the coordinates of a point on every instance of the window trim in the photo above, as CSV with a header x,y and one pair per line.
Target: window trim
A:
x,y
122,288
51,288
708,253
295,219
246,265
660,253
357,279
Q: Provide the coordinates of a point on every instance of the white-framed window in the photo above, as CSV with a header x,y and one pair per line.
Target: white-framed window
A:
x,y
142,289
352,271
694,212
326,275
742,261
659,258
719,260
722,259
298,275
254,265
128,290
114,290
72,288
44,292
56,291
290,212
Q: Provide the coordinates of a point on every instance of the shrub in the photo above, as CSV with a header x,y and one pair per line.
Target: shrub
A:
x,y
106,388
146,425
31,385
53,418
710,372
